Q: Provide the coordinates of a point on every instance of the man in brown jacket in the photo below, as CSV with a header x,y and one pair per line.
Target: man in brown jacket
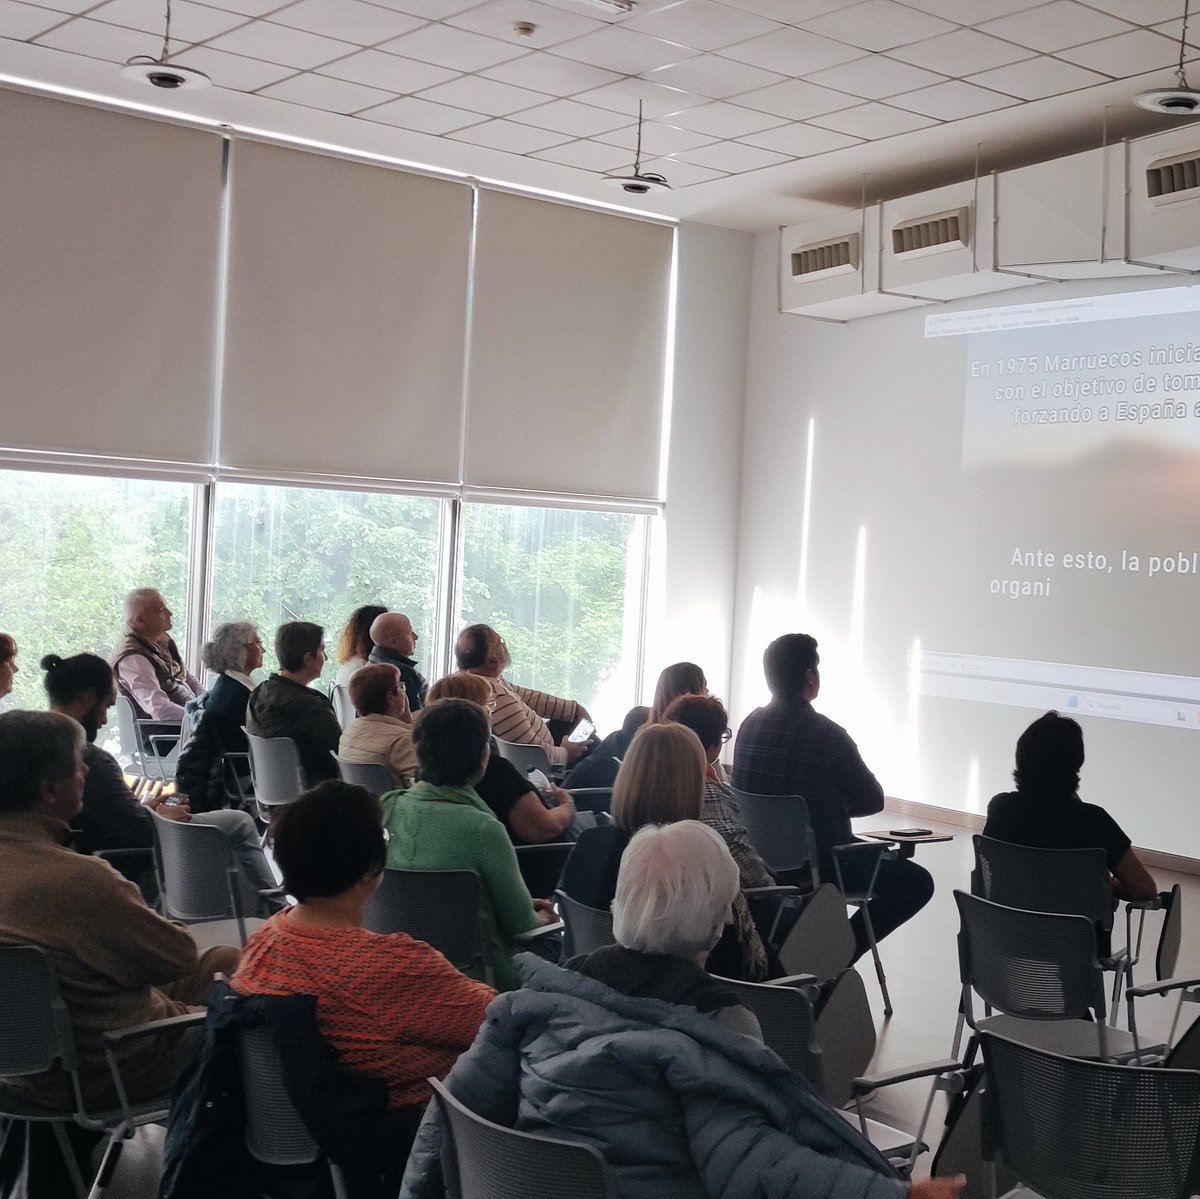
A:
x,y
118,963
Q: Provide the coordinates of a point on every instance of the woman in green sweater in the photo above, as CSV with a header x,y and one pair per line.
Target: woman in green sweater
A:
x,y
441,824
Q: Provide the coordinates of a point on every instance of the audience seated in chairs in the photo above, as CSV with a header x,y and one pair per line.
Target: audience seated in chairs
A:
x,y
599,768
390,1007
233,654
149,667
8,664
286,706
442,824
118,963
354,642
382,730
83,688
634,1050
661,781
681,678
1045,811
511,796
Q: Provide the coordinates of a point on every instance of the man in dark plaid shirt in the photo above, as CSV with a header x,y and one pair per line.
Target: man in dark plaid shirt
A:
x,y
788,748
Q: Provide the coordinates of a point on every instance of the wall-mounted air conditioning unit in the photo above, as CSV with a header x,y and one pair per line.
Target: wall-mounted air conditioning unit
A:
x,y
938,245
1065,219
829,268
1164,200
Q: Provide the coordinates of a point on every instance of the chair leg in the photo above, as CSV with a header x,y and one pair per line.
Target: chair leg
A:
x,y
69,1159
879,974
340,1190
108,1164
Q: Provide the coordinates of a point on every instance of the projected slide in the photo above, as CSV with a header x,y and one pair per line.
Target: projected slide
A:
x,y
1080,544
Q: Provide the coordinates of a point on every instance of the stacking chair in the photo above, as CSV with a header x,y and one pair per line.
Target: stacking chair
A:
x,y
199,882
275,1134
541,866
274,771
592,799
482,1160
856,866
585,928
375,776
1039,972
779,828
153,754
1071,1129
525,757
343,709
36,1035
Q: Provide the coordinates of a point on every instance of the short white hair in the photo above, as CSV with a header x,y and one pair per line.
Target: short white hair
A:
x,y
674,890
137,599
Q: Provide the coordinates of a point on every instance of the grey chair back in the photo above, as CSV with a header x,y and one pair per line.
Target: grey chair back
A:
x,y
1170,935
36,1030
779,828
375,776
1072,1129
482,1160
343,709
443,908
785,1015
592,799
585,928
524,757
274,770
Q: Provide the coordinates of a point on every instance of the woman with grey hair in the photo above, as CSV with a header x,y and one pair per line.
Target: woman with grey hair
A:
x,y
233,653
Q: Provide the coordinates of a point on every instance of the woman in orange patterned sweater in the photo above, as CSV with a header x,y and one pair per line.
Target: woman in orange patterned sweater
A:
x,y
390,1007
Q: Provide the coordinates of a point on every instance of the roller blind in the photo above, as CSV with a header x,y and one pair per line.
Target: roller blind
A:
x,y
567,347
108,253
346,318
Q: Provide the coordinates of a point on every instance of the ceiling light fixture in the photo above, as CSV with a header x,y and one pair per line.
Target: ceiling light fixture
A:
x,y
158,72
621,6
639,182
1181,101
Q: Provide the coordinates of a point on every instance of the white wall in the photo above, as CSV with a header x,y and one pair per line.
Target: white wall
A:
x,y
694,557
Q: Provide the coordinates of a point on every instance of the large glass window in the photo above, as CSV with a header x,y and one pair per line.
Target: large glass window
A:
x,y
564,590
298,553
71,546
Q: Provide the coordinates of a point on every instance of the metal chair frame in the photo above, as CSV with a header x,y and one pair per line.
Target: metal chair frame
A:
x,y
854,855
144,749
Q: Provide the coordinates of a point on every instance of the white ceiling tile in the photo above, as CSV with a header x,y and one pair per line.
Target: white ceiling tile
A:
x,y
970,12
1142,12
875,77
682,174
1172,29
421,116
248,8
1127,54
332,95
605,13
350,20
789,12
624,95
878,25
189,22
23,21
586,155
962,52
550,74
483,95
1054,26
732,157
71,6
233,71
1036,78
794,99
792,52
701,24
554,25
952,101
458,49
724,120
431,10
624,51
572,118
800,141
507,135
711,75
94,39
276,43
656,139
873,121
390,72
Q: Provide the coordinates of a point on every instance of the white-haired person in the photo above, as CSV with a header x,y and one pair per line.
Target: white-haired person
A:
x,y
233,654
634,1050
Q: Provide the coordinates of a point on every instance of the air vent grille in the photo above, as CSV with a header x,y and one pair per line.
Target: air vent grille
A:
x,y
941,231
827,256
1173,178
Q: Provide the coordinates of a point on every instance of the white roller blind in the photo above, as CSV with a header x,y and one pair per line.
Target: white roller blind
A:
x,y
108,259
346,318
567,348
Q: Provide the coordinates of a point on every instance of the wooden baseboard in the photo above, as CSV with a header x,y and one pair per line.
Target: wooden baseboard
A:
x,y
972,821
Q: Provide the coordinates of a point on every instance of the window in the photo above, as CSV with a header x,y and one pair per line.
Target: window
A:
x,y
564,590
297,553
71,547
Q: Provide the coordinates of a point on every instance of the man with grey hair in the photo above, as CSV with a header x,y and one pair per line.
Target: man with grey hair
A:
x,y
149,667
395,642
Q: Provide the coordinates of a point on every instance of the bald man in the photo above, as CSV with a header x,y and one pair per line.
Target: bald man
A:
x,y
149,667
395,642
